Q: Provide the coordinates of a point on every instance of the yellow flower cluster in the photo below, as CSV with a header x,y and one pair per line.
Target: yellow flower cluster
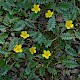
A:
x,y
45,54
36,9
18,48
49,14
24,34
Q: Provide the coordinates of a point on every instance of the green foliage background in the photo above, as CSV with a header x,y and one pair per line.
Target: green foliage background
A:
x,y
49,34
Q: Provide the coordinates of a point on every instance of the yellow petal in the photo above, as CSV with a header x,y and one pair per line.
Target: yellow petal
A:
x,y
70,21
44,51
47,57
71,25
33,9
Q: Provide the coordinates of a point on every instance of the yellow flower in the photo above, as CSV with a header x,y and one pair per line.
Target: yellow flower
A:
x,y
24,34
33,50
18,48
69,24
46,54
35,8
48,14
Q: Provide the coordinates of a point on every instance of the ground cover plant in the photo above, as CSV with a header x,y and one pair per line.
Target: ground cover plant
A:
x,y
39,39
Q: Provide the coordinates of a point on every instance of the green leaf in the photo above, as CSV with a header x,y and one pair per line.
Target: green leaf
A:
x,y
67,36
6,19
74,13
70,63
20,55
27,70
78,77
37,79
33,64
1,41
20,25
2,63
37,36
70,50
17,65
34,16
7,6
2,27
66,15
4,35
40,38
1,2
14,19
5,72
48,43
42,71
27,4
51,24
3,52
42,1
12,44
63,5
77,34
29,23
52,70
31,76
79,50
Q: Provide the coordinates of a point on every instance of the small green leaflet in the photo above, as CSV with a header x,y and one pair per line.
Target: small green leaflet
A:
x,y
67,36
19,25
77,34
70,50
51,24
70,63
2,27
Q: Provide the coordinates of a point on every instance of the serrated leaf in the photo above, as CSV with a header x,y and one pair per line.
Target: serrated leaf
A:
x,y
73,14
17,65
52,70
27,70
4,35
2,27
37,36
33,64
31,76
1,2
66,15
29,23
63,5
3,51
34,15
20,25
51,24
14,19
70,50
70,63
5,72
67,36
27,4
1,41
42,1
42,71
48,43
13,43
77,34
